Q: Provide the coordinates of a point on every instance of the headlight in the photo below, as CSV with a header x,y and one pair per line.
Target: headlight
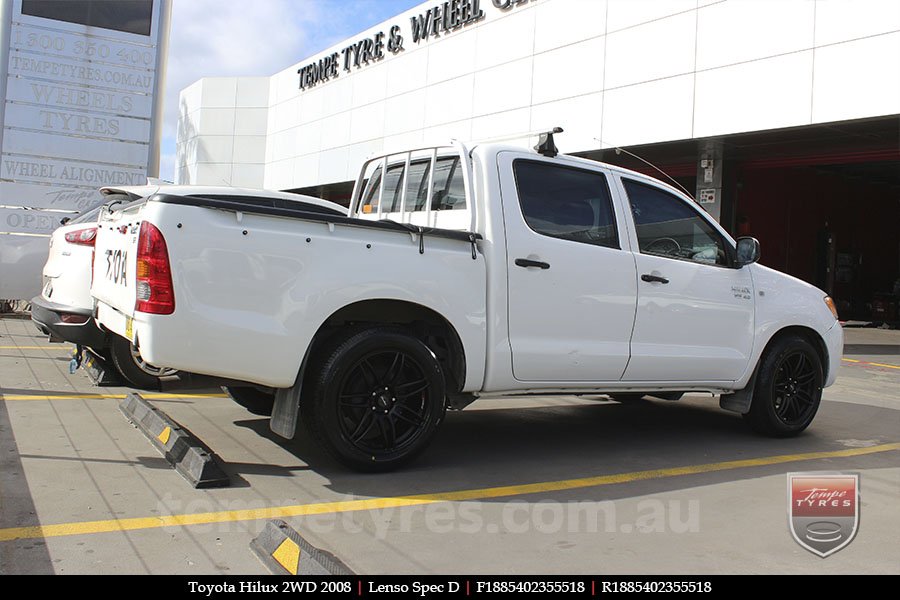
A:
x,y
830,304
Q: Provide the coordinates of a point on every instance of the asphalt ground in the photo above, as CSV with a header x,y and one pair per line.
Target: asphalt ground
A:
x,y
552,484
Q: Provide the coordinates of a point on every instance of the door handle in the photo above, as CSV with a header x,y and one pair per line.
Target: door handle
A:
x,y
527,262
653,278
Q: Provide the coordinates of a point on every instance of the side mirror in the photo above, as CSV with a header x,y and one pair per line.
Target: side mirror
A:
x,y
748,251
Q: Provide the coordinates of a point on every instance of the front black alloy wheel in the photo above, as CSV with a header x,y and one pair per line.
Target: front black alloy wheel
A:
x,y
378,399
788,388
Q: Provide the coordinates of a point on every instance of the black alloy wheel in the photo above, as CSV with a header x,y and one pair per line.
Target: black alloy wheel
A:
x,y
383,402
788,387
378,399
794,388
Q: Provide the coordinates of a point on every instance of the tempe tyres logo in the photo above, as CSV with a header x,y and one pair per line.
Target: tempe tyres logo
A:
x,y
823,510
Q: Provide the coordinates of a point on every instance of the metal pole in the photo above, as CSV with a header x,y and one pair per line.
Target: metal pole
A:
x,y
403,191
156,119
5,32
384,165
430,187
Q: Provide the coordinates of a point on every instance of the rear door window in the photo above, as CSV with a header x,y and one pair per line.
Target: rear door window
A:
x,y
566,203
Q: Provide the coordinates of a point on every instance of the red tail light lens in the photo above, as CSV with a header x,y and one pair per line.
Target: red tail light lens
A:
x,y
154,277
82,237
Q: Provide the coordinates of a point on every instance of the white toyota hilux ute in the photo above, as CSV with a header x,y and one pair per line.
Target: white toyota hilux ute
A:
x,y
464,272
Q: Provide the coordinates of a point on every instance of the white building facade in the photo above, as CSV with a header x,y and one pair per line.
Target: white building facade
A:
x,y
610,72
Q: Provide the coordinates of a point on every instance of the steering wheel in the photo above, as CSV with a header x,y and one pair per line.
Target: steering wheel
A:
x,y
664,245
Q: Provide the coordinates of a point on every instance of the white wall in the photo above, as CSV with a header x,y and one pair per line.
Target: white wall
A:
x,y
622,71
222,126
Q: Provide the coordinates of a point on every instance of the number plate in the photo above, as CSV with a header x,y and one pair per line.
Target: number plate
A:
x,y
129,328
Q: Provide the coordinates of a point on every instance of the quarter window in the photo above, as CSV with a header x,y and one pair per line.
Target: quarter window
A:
x,y
566,203
447,193
668,226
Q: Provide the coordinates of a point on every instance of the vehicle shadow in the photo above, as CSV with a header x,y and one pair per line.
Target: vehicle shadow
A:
x,y
482,448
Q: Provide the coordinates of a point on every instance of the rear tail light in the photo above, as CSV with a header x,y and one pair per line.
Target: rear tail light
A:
x,y
154,277
82,237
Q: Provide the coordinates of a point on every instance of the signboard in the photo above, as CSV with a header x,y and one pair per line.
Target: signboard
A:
x,y
80,112
707,196
437,21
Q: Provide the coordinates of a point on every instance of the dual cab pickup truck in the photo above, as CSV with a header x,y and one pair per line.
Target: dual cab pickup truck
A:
x,y
464,272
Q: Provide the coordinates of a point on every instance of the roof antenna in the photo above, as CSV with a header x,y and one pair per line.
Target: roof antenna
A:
x,y
647,162
545,146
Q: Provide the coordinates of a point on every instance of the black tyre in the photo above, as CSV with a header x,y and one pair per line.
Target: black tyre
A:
x,y
377,398
136,371
788,388
255,400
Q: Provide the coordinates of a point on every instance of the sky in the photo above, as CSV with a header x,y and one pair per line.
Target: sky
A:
x,y
223,38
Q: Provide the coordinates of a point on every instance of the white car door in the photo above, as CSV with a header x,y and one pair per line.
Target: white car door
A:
x,y
695,311
571,297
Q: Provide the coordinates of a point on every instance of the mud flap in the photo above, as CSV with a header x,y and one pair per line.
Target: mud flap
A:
x,y
740,400
286,410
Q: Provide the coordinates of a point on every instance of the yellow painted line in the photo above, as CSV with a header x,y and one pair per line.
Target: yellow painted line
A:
x,y
884,365
66,348
104,396
272,512
863,362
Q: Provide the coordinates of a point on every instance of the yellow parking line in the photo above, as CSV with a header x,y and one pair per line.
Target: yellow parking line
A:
x,y
884,365
104,396
107,526
866,363
67,348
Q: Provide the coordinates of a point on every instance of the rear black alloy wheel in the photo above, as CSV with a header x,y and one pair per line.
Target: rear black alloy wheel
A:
x,y
378,401
788,389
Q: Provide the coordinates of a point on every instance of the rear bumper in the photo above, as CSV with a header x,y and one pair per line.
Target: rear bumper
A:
x,y
48,318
